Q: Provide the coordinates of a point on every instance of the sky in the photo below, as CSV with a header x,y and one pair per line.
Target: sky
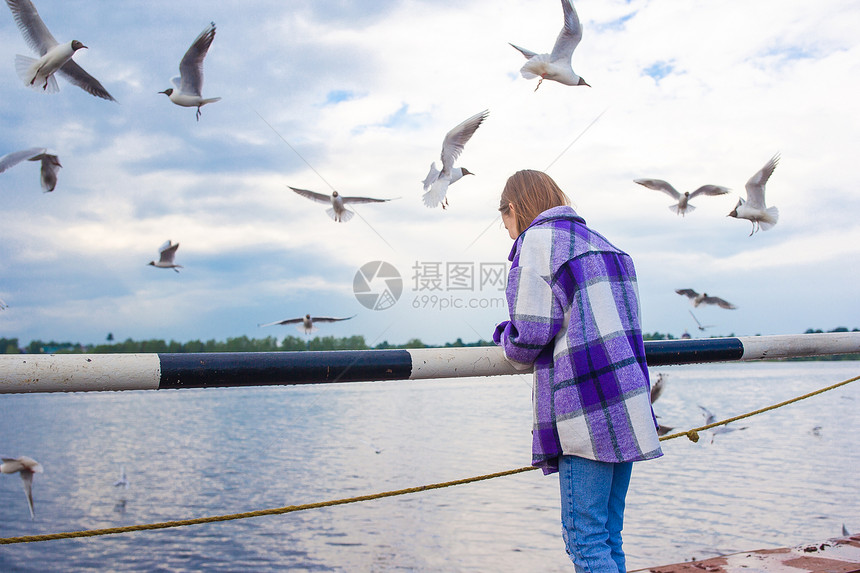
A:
x,y
357,97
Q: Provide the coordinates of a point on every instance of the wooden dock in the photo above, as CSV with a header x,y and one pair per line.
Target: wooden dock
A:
x,y
840,555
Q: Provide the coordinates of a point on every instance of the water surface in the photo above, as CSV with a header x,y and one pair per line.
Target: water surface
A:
x,y
790,477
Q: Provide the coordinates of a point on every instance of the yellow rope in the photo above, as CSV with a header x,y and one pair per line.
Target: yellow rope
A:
x,y
691,434
694,433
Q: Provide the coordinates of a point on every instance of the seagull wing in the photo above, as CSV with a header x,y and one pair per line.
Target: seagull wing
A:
x,y
456,139
697,320
191,66
312,195
688,292
30,23
363,200
329,319
432,176
659,185
167,252
755,186
710,190
570,35
709,416
27,478
287,321
657,388
76,75
16,157
719,302
527,53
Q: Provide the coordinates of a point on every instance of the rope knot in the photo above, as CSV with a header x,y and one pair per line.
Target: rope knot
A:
x,y
693,435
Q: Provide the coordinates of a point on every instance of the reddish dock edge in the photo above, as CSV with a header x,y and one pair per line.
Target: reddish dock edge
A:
x,y
839,555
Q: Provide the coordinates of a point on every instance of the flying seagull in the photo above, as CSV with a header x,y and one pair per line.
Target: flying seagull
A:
x,y
188,87
338,211
50,164
556,66
683,206
724,429
167,252
307,321
436,183
55,57
696,299
699,324
754,208
123,480
27,467
3,305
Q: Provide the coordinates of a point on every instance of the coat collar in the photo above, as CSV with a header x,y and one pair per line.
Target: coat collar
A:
x,y
564,212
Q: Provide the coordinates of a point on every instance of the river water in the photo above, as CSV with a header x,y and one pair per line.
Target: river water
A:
x,y
789,477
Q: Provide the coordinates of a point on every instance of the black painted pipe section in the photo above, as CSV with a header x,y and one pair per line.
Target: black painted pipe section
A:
x,y
666,352
274,368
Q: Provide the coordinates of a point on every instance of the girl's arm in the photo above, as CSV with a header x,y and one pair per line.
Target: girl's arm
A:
x,y
536,316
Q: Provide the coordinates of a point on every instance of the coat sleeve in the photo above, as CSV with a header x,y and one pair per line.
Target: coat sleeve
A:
x,y
535,310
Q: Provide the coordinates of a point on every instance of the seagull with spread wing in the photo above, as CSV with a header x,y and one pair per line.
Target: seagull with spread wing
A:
x,y
754,208
338,211
187,90
166,255
437,182
50,164
696,299
26,467
710,418
307,322
556,65
54,57
683,206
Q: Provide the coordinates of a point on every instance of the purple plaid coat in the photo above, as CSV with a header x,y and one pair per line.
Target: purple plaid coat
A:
x,y
574,308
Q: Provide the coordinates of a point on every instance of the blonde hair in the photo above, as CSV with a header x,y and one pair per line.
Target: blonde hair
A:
x,y
531,193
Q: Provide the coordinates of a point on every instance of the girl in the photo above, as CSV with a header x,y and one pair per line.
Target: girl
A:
x,y
574,309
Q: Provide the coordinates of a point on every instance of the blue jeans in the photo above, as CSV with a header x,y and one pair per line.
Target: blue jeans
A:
x,y
592,512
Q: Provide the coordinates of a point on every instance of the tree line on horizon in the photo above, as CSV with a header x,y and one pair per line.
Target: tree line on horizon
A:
x,y
271,344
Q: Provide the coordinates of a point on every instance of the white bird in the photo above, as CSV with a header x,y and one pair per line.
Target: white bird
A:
x,y
754,208
307,322
556,65
699,324
3,305
710,419
167,252
50,164
683,206
123,480
55,57
338,211
696,299
26,467
188,86
437,182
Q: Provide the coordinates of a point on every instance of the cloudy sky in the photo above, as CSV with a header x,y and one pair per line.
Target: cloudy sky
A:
x,y
692,93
